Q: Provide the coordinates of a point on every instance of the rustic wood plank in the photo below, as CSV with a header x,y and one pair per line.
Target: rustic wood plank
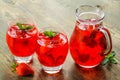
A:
x,y
58,13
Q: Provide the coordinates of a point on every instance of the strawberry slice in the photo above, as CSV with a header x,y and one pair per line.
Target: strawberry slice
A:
x,y
23,69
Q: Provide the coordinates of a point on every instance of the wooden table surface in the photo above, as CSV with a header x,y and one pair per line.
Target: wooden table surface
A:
x,y
59,13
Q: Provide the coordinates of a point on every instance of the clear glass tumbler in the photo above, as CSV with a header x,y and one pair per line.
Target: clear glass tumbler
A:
x,y
21,38
52,49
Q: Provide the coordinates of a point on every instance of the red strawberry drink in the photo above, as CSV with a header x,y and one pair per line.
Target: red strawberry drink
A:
x,y
21,40
90,41
52,49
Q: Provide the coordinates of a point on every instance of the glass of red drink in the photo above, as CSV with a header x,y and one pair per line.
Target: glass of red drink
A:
x,y
52,49
90,41
21,39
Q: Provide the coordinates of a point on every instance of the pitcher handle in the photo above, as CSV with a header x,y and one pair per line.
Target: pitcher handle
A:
x,y
108,40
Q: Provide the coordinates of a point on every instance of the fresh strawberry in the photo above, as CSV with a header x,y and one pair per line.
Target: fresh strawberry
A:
x,y
23,69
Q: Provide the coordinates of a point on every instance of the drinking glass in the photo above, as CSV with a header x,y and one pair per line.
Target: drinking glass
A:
x,y
52,49
21,41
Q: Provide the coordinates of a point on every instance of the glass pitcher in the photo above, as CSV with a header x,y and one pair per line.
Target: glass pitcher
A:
x,y
90,41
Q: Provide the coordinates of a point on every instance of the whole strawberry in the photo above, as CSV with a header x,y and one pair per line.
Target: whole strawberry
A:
x,y
22,69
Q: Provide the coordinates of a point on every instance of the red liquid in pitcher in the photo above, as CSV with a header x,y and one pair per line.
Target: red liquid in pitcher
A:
x,y
52,52
87,45
21,42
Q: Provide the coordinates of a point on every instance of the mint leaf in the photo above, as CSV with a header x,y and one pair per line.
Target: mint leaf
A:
x,y
19,25
110,58
105,61
29,27
50,34
112,54
23,26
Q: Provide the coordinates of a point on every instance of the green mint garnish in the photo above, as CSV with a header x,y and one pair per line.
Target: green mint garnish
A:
x,y
14,67
109,59
50,34
29,27
24,27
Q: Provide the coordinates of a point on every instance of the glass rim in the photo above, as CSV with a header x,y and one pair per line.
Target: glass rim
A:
x,y
52,28
98,12
23,20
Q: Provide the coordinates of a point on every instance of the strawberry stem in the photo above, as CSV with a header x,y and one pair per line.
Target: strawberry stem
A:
x,y
14,67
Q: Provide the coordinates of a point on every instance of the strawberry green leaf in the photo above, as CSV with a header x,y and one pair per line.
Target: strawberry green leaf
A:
x,y
13,67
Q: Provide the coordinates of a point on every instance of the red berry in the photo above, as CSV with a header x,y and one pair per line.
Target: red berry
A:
x,y
24,69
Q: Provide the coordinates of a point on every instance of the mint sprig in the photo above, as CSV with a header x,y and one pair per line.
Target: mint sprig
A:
x,y
23,26
110,58
50,34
